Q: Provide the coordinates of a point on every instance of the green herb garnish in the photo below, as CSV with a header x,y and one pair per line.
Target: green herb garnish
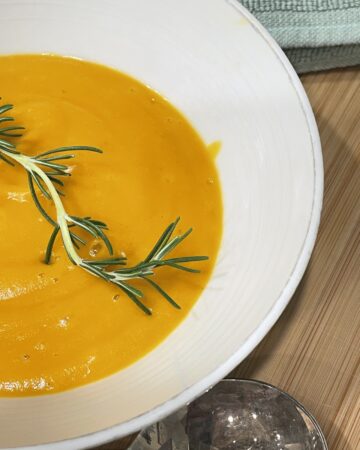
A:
x,y
46,172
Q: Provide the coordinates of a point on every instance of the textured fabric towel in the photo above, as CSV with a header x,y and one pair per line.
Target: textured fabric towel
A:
x,y
315,34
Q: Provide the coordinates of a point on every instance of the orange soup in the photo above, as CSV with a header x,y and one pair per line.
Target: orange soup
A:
x,y
60,327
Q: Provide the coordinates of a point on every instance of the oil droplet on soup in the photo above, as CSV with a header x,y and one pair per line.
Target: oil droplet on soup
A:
x,y
59,326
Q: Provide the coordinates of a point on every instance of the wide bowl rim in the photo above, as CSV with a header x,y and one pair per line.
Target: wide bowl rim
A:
x,y
189,394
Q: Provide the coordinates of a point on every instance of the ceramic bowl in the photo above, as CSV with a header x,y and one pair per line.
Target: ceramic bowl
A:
x,y
218,66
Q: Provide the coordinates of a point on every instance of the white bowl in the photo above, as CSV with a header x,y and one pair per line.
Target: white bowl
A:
x,y
213,61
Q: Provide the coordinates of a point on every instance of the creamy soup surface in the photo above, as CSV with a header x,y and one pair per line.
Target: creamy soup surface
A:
x,y
59,326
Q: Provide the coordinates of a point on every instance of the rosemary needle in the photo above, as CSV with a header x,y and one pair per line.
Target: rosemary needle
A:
x,y
45,172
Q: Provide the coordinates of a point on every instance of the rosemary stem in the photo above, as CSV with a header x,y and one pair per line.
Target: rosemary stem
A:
x,y
43,174
62,217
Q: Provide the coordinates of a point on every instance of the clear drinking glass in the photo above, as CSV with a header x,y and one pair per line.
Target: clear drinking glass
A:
x,y
236,414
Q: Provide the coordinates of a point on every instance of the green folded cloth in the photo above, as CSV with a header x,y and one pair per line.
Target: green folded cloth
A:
x,y
315,34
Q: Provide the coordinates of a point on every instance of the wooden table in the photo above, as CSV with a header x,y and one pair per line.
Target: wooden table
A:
x,y
313,352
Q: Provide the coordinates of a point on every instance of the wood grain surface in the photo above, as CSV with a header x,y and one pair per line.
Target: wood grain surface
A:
x,y
313,352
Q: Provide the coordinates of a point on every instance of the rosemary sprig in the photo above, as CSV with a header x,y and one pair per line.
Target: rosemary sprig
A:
x,y
46,172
